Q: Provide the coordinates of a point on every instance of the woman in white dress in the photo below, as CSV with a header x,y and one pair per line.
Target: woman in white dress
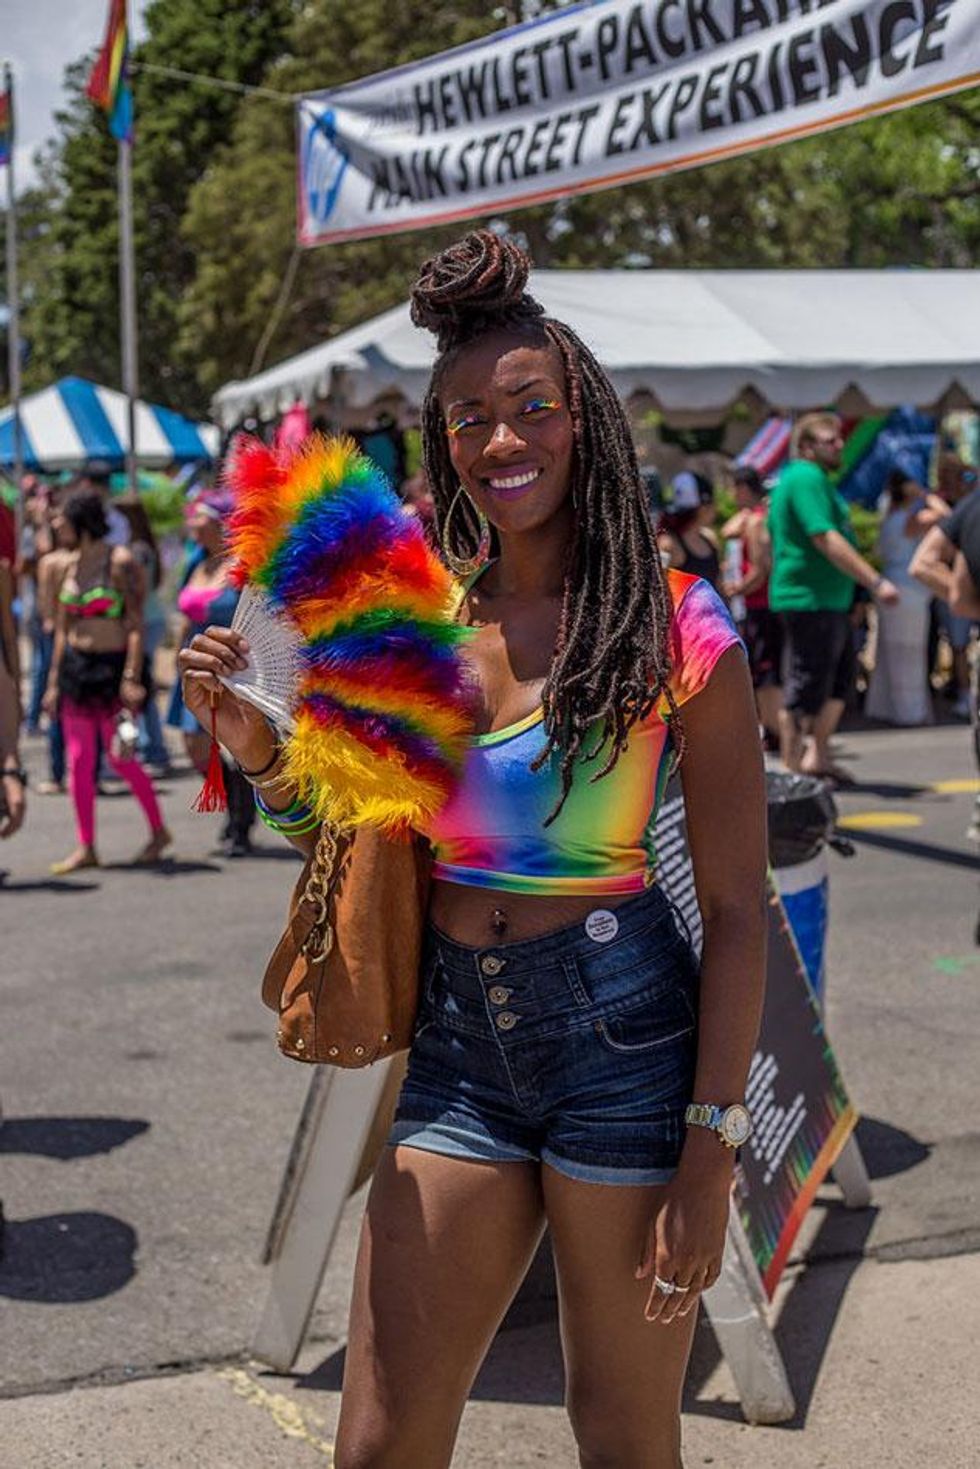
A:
x,y
899,688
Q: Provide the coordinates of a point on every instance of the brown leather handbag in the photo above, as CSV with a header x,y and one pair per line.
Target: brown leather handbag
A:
x,y
344,977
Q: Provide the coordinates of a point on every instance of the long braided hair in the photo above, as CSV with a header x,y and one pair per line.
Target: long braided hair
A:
x,y
611,663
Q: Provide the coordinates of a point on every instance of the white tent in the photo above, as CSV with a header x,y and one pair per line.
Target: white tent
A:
x,y
695,339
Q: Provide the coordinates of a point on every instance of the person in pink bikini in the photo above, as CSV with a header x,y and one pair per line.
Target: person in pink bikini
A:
x,y
207,599
96,671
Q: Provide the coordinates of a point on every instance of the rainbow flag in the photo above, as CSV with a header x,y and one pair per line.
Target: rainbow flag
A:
x,y
6,127
108,86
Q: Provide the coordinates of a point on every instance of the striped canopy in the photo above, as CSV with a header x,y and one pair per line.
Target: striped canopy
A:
x,y
76,425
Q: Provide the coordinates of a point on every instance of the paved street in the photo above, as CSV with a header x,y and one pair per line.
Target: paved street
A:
x,y
148,1117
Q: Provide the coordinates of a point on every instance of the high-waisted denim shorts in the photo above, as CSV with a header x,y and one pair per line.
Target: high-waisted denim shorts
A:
x,y
576,1049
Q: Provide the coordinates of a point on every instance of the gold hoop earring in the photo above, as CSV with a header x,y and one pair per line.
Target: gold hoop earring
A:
x,y
466,566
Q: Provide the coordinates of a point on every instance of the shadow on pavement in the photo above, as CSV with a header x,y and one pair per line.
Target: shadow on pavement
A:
x,y
68,1137
888,1150
169,867
46,885
806,1322
66,1257
892,790
905,847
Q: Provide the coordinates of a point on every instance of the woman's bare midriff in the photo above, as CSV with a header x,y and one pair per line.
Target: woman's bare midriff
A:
x,y
480,917
98,635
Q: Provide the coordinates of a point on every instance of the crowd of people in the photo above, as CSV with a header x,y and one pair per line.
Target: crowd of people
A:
x,y
88,582
84,589
801,590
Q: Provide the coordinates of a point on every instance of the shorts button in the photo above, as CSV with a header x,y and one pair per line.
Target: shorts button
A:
x,y
491,965
506,1020
499,994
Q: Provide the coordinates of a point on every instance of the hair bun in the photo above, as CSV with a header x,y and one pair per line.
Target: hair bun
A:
x,y
475,284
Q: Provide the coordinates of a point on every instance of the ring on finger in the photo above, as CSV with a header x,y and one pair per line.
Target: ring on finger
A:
x,y
668,1287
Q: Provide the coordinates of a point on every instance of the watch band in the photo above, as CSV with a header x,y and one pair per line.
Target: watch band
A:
x,y
703,1114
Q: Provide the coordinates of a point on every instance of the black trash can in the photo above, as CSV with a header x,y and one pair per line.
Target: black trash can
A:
x,y
802,816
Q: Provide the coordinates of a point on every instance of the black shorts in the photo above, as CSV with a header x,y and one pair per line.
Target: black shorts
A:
x,y
819,660
762,632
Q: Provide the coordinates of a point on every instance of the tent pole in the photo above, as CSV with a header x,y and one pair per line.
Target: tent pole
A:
x,y
127,301
13,308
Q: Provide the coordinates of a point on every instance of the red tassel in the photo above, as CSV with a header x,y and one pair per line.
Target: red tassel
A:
x,y
213,796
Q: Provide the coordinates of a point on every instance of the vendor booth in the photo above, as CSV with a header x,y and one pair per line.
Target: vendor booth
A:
x,y
696,341
77,425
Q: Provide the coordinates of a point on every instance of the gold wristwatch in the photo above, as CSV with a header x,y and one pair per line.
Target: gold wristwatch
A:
x,y
732,1124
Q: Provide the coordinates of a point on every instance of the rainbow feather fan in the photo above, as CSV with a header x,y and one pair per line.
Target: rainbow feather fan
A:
x,y
382,701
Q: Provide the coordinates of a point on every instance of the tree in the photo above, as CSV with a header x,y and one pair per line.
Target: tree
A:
x,y
240,220
73,323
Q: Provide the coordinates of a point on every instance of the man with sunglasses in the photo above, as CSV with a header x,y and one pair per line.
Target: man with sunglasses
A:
x,y
815,571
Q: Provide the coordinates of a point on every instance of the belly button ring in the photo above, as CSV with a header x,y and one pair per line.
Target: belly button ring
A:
x,y
498,921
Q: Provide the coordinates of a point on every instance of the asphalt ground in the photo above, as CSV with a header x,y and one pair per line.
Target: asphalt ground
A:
x,y
148,1117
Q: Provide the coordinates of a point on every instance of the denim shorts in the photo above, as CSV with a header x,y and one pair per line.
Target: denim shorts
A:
x,y
575,1049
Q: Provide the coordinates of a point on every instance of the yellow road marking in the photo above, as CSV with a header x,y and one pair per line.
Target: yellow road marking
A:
x,y
878,820
288,1416
956,787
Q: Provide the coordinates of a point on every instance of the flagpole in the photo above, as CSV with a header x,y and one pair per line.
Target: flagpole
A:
x,y
127,303
127,272
13,308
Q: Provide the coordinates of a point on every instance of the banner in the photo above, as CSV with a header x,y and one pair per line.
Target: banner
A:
x,y
800,1109
591,96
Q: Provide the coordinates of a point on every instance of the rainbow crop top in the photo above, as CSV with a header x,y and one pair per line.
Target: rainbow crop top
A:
x,y
491,833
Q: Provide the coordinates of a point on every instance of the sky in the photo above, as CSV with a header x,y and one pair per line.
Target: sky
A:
x,y
39,38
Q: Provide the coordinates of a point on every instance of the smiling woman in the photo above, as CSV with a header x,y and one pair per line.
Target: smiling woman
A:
x,y
570,1065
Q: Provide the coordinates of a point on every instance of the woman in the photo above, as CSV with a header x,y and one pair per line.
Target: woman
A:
x,y
50,575
207,598
899,689
761,628
146,553
555,1052
96,670
13,782
686,541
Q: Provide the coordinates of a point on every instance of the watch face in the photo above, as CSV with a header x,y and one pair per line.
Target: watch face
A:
x,y
736,1125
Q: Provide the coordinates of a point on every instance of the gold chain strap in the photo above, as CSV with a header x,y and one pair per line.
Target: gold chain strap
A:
x,y
319,940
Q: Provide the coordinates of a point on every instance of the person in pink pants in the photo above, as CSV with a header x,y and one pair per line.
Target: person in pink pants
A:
x,y
96,671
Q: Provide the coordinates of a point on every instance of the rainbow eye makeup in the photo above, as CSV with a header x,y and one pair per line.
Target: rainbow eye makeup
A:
x,y
456,425
542,405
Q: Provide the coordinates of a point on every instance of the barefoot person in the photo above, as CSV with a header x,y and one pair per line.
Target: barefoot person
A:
x,y
564,1029
96,669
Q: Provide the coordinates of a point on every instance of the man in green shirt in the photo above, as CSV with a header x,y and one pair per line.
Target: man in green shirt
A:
x,y
815,567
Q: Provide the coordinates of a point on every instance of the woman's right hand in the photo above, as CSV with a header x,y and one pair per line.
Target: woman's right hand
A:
x,y
240,727
49,702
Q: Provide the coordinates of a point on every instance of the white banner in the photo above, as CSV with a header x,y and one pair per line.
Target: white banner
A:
x,y
591,96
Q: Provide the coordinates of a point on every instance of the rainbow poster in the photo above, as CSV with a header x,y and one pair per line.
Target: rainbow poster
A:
x,y
801,1113
799,1105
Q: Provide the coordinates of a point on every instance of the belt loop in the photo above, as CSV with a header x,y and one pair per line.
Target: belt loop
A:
x,y
573,979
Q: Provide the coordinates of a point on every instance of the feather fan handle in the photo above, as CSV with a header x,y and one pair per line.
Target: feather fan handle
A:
x,y
382,707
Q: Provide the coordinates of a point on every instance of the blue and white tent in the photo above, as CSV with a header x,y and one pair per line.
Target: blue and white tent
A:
x,y
76,425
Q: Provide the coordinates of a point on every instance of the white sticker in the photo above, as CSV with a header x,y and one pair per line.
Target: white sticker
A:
x,y
601,926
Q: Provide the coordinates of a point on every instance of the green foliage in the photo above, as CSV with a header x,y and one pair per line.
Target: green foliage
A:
x,y
70,245
866,524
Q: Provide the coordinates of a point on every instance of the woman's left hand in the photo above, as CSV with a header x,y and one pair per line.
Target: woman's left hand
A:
x,y
132,694
685,1243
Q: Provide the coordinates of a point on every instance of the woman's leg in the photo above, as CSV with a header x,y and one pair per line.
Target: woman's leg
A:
x,y
624,1374
444,1245
132,772
80,738
153,748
